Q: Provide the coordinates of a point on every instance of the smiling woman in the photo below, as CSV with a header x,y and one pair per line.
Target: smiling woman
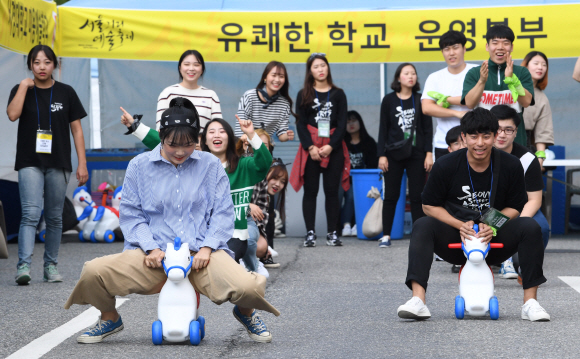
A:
x,y
190,67
269,106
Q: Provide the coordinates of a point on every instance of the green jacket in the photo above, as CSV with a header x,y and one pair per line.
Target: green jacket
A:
x,y
496,92
250,171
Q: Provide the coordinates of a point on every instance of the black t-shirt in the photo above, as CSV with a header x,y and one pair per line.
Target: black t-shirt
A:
x,y
329,105
395,120
532,168
64,109
357,156
449,185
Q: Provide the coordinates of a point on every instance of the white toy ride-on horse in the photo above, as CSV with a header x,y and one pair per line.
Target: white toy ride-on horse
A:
x,y
81,200
108,220
177,309
476,288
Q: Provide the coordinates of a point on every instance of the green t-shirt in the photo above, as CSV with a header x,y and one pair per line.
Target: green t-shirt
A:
x,y
496,92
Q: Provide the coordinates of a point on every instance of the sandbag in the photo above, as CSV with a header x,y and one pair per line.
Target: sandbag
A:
x,y
373,222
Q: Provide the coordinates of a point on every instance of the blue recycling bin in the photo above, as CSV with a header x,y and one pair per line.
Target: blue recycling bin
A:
x,y
362,181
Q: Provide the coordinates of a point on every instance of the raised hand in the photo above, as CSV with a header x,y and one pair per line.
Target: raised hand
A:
x,y
484,72
247,127
126,119
509,68
290,134
28,82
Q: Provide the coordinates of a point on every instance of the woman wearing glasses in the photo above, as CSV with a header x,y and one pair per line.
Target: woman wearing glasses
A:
x,y
321,125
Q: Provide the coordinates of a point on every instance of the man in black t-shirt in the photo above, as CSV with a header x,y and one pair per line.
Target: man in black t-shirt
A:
x,y
509,120
462,185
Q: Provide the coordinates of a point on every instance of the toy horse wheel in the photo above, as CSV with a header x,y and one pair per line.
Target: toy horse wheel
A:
x,y
42,235
459,307
81,238
157,332
109,236
494,308
194,333
201,321
93,239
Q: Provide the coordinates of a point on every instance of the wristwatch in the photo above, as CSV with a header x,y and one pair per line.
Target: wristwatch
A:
x,y
541,154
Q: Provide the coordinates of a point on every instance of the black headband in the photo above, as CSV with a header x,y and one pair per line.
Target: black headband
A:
x,y
278,162
178,119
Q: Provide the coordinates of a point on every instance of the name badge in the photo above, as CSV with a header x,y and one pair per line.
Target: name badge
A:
x,y
324,128
495,219
44,141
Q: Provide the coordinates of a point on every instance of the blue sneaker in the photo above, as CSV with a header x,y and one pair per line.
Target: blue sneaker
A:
x,y
101,330
254,326
385,242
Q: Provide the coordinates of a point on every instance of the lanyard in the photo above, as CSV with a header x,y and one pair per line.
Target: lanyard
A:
x,y
49,109
327,99
473,189
412,99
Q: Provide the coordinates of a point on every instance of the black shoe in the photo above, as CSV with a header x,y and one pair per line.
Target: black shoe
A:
x,y
238,247
310,240
455,268
269,262
333,240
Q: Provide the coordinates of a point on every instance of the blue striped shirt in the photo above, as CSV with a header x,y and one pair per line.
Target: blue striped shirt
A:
x,y
191,201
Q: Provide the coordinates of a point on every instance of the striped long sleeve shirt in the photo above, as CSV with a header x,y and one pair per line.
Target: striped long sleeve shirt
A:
x,y
191,201
273,119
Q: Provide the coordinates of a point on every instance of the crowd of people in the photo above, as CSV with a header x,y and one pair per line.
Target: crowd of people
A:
x,y
219,188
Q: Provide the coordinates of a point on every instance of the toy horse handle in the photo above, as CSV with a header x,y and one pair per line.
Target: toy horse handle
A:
x,y
176,246
459,245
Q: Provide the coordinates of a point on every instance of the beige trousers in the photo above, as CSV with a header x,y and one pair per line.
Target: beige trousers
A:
x,y
125,273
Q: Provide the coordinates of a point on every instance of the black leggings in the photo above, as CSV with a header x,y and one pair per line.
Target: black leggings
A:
x,y
330,181
416,175
522,235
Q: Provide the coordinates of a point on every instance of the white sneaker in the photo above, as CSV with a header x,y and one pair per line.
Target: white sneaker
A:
x,y
533,311
385,242
346,230
273,253
353,232
507,270
262,270
414,309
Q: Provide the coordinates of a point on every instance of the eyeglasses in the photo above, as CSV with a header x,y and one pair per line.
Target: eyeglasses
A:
x,y
508,131
316,54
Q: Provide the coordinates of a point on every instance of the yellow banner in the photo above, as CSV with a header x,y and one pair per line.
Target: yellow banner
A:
x,y
26,23
357,36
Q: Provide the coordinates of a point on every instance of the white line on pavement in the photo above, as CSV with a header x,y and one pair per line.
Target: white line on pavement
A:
x,y
40,346
573,282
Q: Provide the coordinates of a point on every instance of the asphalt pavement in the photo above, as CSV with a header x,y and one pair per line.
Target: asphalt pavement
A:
x,y
336,302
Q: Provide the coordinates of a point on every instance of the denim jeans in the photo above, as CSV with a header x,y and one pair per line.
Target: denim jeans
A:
x,y
250,259
347,210
35,183
543,222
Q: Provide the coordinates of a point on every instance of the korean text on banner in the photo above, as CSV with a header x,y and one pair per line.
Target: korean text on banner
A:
x,y
357,36
27,23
